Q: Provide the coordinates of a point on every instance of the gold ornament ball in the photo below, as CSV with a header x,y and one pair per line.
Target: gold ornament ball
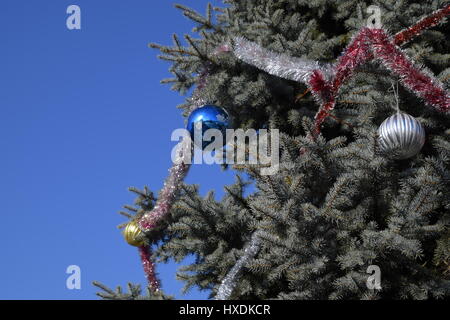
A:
x,y
131,234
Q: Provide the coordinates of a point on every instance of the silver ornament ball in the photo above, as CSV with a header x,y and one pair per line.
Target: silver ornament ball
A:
x,y
403,134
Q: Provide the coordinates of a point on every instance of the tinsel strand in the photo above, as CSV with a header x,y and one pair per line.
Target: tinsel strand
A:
x,y
277,64
167,196
357,53
425,23
148,265
421,82
229,282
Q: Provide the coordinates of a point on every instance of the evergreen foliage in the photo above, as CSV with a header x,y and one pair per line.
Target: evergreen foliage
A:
x,y
330,212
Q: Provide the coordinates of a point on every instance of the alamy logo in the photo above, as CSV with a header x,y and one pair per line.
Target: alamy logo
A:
x,y
74,280
73,21
262,147
374,20
374,281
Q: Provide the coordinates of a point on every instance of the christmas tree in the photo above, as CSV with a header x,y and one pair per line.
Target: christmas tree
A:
x,y
344,203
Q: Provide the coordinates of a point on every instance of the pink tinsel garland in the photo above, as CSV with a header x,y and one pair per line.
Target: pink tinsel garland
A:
x,y
149,268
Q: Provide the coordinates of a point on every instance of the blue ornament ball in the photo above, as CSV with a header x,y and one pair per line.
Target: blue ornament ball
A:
x,y
210,117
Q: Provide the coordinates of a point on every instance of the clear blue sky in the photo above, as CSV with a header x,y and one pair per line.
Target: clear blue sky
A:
x,y
82,117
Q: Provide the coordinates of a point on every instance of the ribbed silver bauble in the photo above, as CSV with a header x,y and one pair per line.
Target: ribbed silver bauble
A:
x,y
402,133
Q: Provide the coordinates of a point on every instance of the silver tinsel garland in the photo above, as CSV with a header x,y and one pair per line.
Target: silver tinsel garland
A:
x,y
277,64
229,282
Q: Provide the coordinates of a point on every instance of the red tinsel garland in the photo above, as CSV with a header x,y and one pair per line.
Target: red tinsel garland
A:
x,y
425,23
414,79
357,53
371,44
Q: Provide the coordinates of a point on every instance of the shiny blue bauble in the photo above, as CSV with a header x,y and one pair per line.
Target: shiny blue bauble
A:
x,y
211,117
